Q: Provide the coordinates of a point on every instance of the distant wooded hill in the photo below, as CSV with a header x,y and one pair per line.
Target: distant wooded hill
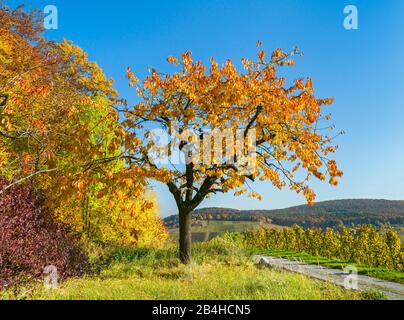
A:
x,y
322,214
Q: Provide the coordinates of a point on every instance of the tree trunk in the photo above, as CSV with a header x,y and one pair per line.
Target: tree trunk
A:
x,y
185,236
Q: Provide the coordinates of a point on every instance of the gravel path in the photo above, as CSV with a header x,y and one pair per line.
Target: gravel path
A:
x,y
392,290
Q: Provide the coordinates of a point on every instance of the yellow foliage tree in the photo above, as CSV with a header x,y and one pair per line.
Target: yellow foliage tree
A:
x,y
59,131
280,120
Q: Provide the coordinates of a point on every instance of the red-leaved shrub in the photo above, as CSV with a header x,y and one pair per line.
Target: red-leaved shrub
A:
x,y
31,241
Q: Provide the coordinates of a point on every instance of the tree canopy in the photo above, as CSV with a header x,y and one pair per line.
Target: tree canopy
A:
x,y
256,106
59,131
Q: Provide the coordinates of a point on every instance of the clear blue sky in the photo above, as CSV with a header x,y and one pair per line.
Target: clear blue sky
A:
x,y
362,69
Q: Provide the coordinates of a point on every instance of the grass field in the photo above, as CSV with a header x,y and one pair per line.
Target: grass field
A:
x,y
222,269
395,276
218,272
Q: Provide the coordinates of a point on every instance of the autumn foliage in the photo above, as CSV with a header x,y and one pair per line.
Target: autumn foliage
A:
x,y
291,146
60,132
220,97
48,88
31,241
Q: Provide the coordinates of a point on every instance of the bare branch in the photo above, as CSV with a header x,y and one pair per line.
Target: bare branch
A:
x,y
26,178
